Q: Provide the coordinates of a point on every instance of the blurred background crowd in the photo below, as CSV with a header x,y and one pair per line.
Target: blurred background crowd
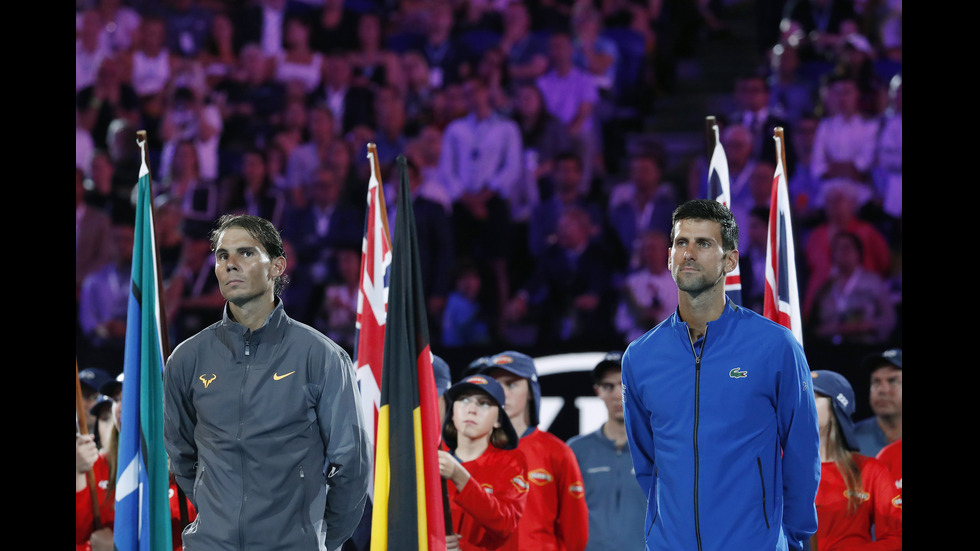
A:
x,y
547,142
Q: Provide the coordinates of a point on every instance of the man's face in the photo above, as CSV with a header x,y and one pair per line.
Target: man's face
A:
x,y
697,259
609,390
244,269
886,390
516,392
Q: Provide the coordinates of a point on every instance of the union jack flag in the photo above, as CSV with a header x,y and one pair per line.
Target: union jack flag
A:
x,y
719,189
782,300
372,298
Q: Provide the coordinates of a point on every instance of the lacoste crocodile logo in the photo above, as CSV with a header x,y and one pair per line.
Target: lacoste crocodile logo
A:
x,y
737,373
207,382
278,377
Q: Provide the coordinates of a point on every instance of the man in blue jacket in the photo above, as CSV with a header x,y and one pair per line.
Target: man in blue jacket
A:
x,y
720,414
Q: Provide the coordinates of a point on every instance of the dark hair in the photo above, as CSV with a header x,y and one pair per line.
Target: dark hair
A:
x,y
604,367
708,209
259,228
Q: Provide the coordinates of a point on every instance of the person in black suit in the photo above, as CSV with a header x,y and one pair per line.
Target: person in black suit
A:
x,y
315,233
752,98
570,294
352,105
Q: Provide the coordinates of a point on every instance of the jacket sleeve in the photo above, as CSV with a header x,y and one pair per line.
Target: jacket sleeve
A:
x,y
887,503
638,430
497,513
800,441
347,449
179,420
573,512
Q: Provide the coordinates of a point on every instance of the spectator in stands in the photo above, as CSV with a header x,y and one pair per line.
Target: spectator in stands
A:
x,y
371,62
306,158
844,145
449,60
852,306
648,294
567,193
791,95
120,24
351,103
104,301
571,95
752,95
299,66
334,27
93,236
199,197
188,27
818,26
480,164
544,137
106,99
643,202
90,50
526,52
841,212
570,293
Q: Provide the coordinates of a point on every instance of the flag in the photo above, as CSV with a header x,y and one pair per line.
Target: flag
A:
x,y
782,300
719,189
142,520
408,510
372,299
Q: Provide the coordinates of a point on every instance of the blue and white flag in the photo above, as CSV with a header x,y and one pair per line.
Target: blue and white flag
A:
x,y
142,520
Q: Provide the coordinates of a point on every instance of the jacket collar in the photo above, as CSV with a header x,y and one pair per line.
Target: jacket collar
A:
x,y
274,324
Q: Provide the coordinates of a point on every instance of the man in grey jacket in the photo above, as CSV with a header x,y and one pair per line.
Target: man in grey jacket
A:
x,y
261,413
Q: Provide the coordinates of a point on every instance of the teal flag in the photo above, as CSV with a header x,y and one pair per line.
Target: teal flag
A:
x,y
143,484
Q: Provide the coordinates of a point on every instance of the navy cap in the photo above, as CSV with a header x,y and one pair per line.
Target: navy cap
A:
x,y
612,360
490,386
477,365
522,365
892,356
101,404
440,369
838,389
94,378
111,388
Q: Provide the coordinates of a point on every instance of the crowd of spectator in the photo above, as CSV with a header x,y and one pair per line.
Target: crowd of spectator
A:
x,y
514,117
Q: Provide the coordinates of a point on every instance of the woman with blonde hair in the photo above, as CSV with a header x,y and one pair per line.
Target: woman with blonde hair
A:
x,y
858,506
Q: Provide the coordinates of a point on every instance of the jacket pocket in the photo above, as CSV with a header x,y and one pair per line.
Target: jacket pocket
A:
x,y
762,483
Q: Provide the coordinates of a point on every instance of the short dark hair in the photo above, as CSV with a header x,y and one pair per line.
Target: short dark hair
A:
x,y
259,228
708,209
612,361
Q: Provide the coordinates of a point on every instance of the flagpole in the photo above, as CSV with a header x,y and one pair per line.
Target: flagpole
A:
x,y
373,155
141,139
781,147
80,413
709,133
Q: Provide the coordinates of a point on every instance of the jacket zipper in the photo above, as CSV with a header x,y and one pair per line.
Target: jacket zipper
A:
x,y
697,412
241,429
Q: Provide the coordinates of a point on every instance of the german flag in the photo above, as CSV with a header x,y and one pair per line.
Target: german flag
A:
x,y
408,509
